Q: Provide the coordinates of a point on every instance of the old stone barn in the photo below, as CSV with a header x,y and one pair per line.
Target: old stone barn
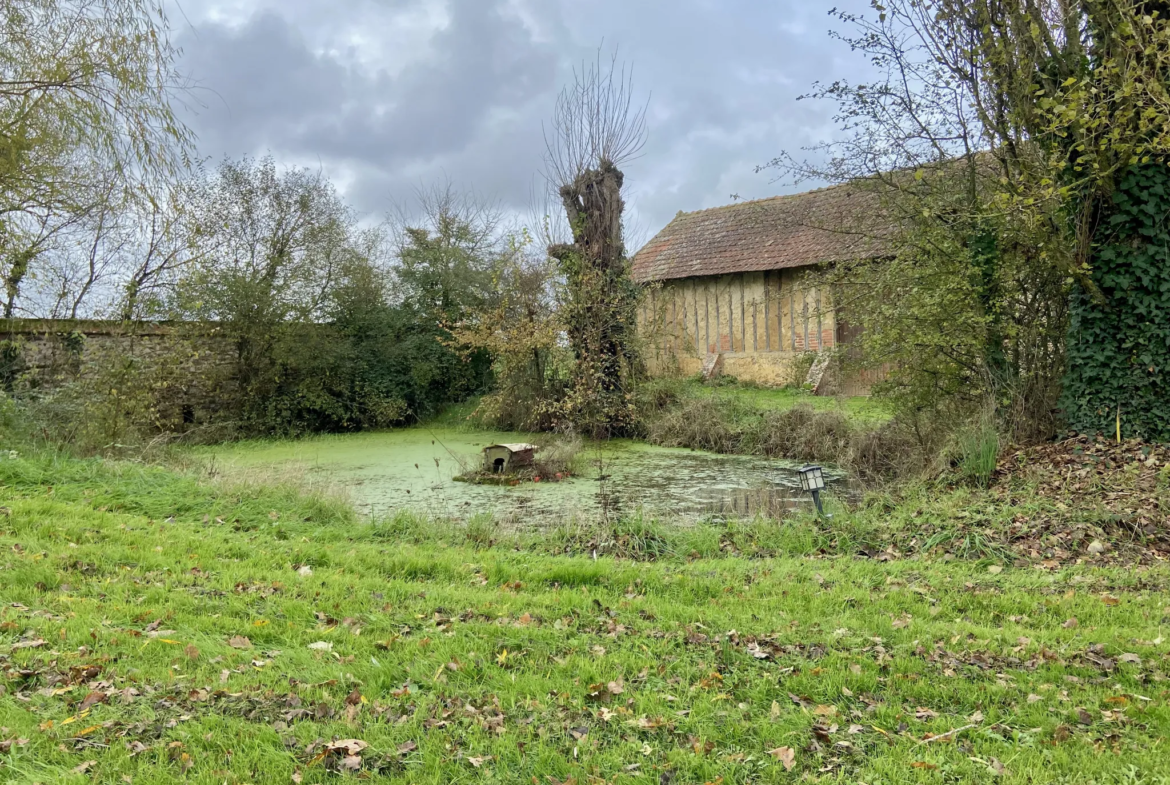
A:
x,y
736,284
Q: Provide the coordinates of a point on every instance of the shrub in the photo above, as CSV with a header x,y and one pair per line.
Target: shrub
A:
x,y
698,423
558,457
803,433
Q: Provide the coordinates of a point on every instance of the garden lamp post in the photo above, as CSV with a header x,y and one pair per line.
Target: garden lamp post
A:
x,y
812,479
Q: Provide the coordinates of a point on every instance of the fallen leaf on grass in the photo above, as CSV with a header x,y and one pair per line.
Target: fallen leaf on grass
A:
x,y
35,643
1071,624
347,746
407,747
994,569
919,764
321,646
1110,600
191,652
1132,659
786,755
92,699
478,762
84,767
239,642
6,746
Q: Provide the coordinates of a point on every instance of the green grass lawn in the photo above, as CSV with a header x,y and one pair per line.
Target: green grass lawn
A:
x,y
155,629
860,409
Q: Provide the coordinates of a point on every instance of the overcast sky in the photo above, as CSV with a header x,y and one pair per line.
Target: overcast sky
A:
x,y
388,95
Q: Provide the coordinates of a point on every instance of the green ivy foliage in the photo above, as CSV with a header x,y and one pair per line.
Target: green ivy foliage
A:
x,y
1119,348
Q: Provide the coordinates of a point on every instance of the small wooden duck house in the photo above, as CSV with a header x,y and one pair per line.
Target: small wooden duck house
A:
x,y
504,458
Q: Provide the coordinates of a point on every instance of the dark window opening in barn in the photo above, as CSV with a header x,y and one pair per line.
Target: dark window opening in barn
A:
x,y
188,414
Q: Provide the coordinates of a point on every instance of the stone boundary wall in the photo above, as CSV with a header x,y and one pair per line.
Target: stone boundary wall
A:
x,y
186,370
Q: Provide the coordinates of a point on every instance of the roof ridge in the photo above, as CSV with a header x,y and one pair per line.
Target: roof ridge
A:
x,y
777,198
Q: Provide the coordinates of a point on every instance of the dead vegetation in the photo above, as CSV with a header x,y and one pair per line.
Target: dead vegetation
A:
x,y
874,454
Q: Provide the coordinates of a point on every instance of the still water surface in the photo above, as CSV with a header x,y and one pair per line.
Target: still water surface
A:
x,y
414,469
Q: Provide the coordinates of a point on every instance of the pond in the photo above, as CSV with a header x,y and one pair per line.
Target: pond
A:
x,y
415,468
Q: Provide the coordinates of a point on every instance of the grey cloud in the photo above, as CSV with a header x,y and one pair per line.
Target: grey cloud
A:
x,y
460,90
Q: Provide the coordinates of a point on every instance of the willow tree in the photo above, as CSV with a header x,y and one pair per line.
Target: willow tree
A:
x,y
85,99
597,129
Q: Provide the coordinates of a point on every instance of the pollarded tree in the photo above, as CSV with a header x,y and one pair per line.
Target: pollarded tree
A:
x,y
596,130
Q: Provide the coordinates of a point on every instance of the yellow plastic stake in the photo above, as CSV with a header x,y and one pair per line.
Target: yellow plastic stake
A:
x,y
1119,425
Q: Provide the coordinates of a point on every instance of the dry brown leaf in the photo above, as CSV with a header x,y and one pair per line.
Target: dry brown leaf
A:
x,y
786,755
92,699
35,643
239,642
84,767
349,747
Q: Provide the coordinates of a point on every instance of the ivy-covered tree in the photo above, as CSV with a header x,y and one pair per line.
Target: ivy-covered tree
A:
x,y
596,130
1060,111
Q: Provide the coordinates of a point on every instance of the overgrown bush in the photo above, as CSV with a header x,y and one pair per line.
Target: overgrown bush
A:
x,y
897,449
803,433
703,423
559,457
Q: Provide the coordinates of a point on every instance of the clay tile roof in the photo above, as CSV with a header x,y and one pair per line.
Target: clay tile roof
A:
x,y
833,224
